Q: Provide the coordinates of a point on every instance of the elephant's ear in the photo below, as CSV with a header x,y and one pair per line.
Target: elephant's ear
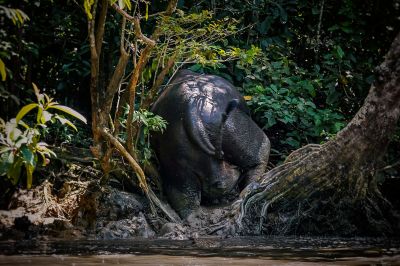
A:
x,y
196,130
232,105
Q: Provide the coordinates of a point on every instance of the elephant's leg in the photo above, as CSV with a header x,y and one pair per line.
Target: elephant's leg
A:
x,y
245,145
184,198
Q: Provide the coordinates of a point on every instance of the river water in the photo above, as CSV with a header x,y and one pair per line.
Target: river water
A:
x,y
204,251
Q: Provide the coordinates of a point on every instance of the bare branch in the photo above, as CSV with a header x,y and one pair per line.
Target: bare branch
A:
x,y
94,73
122,44
142,179
136,21
144,57
101,25
160,78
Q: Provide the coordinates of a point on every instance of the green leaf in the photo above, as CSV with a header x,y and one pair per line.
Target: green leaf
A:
x,y
14,171
270,119
37,91
69,111
42,147
3,72
6,161
39,117
5,149
13,135
22,123
28,155
265,25
292,142
339,52
310,88
29,174
46,116
26,109
87,4
66,121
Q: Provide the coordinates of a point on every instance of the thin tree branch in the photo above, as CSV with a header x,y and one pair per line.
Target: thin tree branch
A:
x,y
136,22
321,11
160,78
94,72
122,42
101,26
144,57
141,177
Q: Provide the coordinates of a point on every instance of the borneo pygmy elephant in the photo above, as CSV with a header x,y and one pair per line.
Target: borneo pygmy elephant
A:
x,y
210,143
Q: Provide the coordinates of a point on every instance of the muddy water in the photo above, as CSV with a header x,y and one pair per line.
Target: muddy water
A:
x,y
204,251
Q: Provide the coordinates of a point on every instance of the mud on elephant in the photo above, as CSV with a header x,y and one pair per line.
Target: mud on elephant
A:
x,y
210,144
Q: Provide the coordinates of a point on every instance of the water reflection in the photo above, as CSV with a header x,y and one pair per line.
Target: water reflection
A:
x,y
41,260
204,251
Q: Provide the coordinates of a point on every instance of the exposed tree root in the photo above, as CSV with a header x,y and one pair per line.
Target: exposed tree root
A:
x,y
309,193
335,181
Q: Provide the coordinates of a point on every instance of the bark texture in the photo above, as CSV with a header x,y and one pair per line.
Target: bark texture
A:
x,y
333,186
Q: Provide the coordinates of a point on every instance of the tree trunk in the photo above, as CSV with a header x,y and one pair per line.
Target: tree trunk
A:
x,y
332,188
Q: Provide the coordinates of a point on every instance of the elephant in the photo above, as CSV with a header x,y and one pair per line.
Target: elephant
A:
x,y
210,143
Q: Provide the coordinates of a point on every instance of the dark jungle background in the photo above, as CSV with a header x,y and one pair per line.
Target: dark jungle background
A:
x,y
314,68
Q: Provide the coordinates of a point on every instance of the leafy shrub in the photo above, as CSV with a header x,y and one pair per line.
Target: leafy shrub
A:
x,y
147,122
289,102
20,145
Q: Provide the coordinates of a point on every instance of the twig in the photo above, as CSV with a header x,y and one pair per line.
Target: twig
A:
x,y
389,166
136,21
142,179
321,11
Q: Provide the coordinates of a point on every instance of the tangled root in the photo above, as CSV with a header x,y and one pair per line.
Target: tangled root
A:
x,y
316,192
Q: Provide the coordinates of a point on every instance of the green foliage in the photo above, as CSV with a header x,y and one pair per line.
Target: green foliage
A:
x,y
314,69
18,17
87,5
147,123
287,100
280,44
199,38
50,49
58,134
20,145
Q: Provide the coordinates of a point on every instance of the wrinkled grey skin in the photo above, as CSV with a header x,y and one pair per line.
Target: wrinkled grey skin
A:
x,y
210,143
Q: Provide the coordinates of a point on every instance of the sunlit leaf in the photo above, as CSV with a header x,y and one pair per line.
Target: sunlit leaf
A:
x,y
247,97
29,173
37,91
46,116
3,72
39,118
22,123
13,134
69,111
17,16
128,4
66,121
87,5
5,149
24,110
121,4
